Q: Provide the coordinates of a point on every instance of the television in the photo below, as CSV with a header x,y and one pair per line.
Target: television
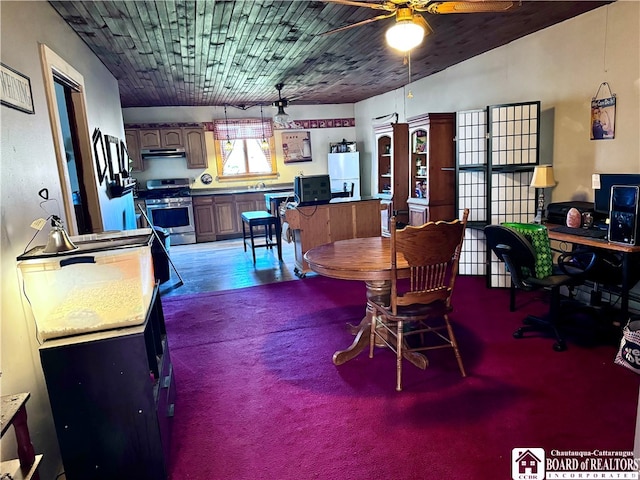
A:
x,y
312,189
602,195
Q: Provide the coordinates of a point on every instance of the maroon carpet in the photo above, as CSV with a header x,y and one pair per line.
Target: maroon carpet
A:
x,y
259,398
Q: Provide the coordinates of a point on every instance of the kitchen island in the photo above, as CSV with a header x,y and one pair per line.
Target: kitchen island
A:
x,y
341,219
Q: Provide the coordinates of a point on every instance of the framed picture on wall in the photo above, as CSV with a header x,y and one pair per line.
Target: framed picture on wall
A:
x,y
603,114
296,146
100,155
15,90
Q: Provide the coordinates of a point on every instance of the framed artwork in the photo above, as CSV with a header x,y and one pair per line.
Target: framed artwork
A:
x,y
603,115
296,147
113,156
100,155
15,90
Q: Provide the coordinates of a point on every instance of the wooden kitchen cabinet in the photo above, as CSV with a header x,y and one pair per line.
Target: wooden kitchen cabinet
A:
x,y
149,138
160,137
217,216
132,141
195,147
191,138
225,216
204,213
171,137
112,396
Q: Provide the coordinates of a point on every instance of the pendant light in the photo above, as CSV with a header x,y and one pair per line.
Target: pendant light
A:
x,y
228,146
264,144
281,118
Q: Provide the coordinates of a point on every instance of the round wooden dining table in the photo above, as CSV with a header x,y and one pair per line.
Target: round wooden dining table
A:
x,y
365,259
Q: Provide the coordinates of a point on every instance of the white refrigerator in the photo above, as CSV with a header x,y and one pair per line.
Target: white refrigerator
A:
x,y
345,168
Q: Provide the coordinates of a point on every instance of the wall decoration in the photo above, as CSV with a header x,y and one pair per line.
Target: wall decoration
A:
x,y
100,155
603,115
15,90
306,124
296,146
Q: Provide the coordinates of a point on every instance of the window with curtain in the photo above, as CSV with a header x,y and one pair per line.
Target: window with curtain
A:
x,y
245,149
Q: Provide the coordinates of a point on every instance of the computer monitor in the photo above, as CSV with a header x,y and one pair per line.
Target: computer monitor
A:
x,y
312,189
602,195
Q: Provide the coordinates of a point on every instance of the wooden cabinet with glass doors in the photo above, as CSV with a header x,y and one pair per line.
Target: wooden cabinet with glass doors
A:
x,y
432,168
392,143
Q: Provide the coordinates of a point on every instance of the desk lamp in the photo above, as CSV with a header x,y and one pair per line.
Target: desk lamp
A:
x,y
542,178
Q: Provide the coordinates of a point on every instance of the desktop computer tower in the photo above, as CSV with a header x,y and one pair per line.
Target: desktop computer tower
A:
x,y
623,214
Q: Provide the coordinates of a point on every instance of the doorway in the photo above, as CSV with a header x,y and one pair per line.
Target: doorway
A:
x,y
64,88
74,166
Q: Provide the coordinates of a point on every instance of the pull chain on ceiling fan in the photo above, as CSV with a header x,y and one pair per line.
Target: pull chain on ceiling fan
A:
x,y
411,27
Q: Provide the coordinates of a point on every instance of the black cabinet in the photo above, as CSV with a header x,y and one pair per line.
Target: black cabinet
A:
x,y
112,395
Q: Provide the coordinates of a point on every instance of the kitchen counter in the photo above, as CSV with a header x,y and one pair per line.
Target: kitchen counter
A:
x,y
240,190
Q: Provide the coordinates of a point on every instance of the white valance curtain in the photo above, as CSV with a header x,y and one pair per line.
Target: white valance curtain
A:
x,y
242,129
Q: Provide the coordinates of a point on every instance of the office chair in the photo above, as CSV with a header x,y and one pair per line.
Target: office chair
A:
x,y
513,248
421,305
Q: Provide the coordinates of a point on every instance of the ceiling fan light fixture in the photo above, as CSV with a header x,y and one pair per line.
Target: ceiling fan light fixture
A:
x,y
282,117
405,35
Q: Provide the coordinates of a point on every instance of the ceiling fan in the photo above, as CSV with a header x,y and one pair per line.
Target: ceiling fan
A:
x,y
411,27
280,118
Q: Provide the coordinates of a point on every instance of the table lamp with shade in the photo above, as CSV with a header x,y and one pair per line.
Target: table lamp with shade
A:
x,y
542,178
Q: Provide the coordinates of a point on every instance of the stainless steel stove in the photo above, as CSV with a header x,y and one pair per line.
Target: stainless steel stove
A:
x,y
169,205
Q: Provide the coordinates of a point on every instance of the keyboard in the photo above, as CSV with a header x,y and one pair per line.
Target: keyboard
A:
x,y
581,232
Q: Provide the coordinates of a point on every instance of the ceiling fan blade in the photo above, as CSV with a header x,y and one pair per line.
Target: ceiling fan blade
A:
x,y
420,20
481,6
357,24
388,6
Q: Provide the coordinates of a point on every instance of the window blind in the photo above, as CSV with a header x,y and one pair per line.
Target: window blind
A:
x,y
242,129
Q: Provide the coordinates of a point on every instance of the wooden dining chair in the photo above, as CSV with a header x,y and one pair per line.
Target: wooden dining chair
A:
x,y
419,306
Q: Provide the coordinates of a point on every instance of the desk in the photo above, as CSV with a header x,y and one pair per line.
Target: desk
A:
x,y
626,250
368,260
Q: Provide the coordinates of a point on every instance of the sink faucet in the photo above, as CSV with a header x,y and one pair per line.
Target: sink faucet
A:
x,y
260,185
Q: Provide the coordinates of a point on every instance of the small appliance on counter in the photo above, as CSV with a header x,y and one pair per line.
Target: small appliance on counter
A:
x,y
106,282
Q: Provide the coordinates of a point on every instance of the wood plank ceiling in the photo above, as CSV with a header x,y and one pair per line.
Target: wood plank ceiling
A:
x,y
224,52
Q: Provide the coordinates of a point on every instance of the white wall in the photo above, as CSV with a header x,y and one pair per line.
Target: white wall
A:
x,y
562,66
320,140
27,165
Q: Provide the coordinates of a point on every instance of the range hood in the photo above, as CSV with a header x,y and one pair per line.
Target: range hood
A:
x,y
151,153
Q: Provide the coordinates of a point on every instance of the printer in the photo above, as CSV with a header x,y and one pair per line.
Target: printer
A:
x,y
557,212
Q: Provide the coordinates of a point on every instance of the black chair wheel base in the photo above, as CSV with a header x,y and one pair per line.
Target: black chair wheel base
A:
x,y
560,346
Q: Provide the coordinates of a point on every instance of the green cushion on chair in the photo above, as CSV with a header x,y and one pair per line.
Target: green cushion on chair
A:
x,y
539,239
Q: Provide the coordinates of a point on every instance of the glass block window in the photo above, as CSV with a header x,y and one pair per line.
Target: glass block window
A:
x,y
473,254
514,134
471,138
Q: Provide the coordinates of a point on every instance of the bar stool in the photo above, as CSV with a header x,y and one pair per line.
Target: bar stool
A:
x,y
269,222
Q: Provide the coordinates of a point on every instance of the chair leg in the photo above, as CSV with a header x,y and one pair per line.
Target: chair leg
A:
x,y
244,235
372,334
454,344
399,340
